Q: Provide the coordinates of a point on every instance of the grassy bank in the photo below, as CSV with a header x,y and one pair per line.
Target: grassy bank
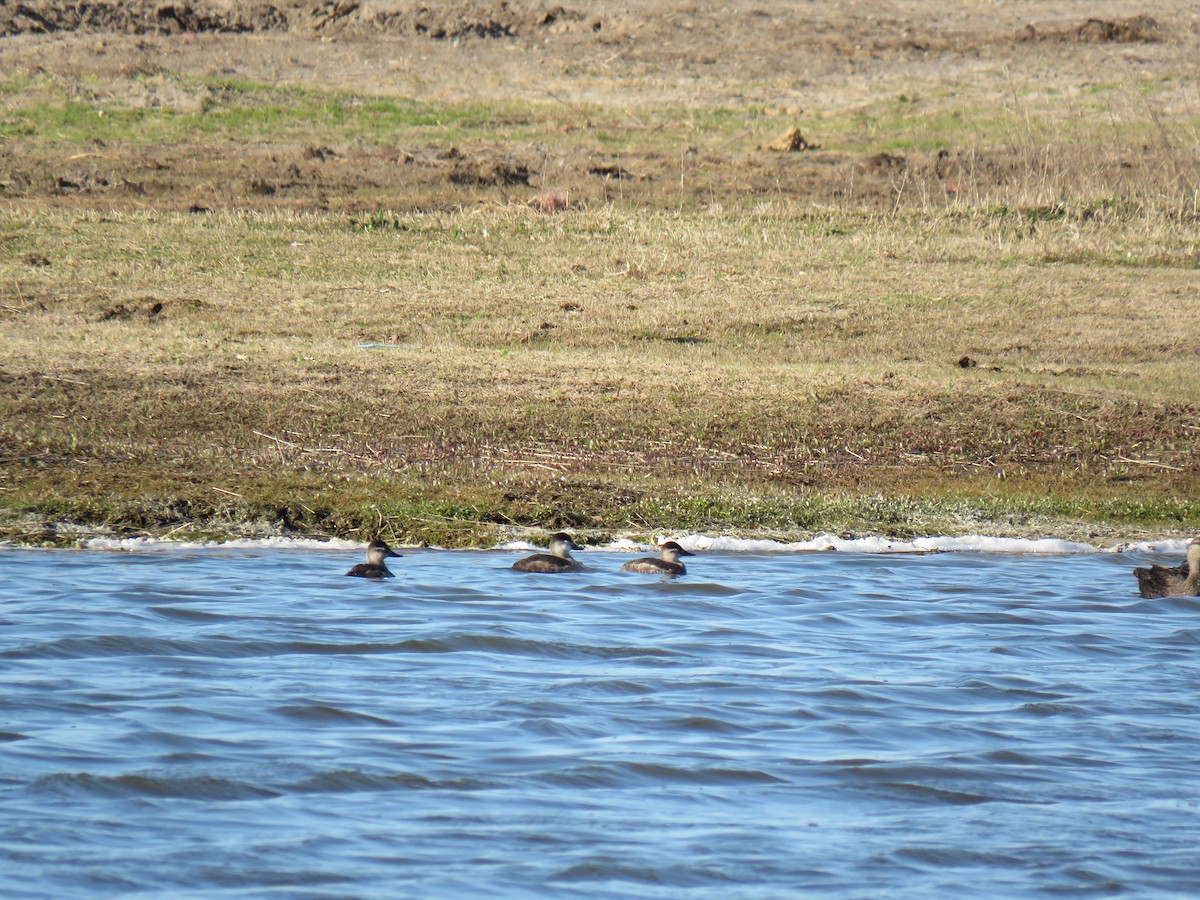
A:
x,y
1005,342
446,376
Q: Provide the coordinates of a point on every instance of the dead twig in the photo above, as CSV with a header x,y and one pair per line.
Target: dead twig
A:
x,y
1153,463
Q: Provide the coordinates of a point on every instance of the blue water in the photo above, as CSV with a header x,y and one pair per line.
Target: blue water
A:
x,y
203,722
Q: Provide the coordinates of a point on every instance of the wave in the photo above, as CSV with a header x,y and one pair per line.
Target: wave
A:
x,y
218,788
621,773
230,647
196,787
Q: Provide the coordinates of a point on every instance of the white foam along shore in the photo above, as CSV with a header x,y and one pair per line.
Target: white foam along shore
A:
x,y
698,543
874,544
137,544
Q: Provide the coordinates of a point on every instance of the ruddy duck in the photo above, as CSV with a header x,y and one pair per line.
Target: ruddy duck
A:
x,y
557,560
377,552
1182,580
668,564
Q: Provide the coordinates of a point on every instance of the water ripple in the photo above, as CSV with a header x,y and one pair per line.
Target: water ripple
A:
x,y
228,647
194,788
248,722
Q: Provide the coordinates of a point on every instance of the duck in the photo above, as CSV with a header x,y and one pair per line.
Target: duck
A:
x,y
1182,580
667,564
377,552
557,560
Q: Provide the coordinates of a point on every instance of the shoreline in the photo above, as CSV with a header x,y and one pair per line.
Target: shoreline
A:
x,y
30,532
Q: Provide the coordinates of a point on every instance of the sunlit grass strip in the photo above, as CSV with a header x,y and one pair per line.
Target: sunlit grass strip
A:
x,y
237,110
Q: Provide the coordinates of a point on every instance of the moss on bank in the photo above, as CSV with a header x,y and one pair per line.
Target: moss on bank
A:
x,y
464,523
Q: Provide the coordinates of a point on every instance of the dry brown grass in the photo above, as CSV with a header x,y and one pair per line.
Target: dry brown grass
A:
x,y
515,359
350,336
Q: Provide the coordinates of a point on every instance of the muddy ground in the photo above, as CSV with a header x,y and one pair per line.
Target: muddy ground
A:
x,y
592,67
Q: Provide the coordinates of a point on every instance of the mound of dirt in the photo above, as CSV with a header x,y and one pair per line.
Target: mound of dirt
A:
x,y
464,19
469,18
49,16
1136,29
1125,31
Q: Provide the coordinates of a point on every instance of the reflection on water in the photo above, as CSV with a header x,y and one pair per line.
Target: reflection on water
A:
x,y
249,722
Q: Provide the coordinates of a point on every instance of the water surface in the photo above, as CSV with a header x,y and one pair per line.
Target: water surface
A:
x,y
248,723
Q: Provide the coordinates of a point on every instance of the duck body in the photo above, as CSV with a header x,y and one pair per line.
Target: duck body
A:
x,y
667,564
557,560
1182,580
546,562
374,567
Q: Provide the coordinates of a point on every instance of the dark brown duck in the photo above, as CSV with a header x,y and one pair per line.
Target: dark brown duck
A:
x,y
557,560
667,564
1182,580
377,552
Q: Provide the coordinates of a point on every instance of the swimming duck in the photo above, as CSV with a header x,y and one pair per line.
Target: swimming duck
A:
x,y
377,552
667,564
557,560
1182,580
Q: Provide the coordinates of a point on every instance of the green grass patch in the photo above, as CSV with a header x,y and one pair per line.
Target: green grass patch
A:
x,y
241,110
